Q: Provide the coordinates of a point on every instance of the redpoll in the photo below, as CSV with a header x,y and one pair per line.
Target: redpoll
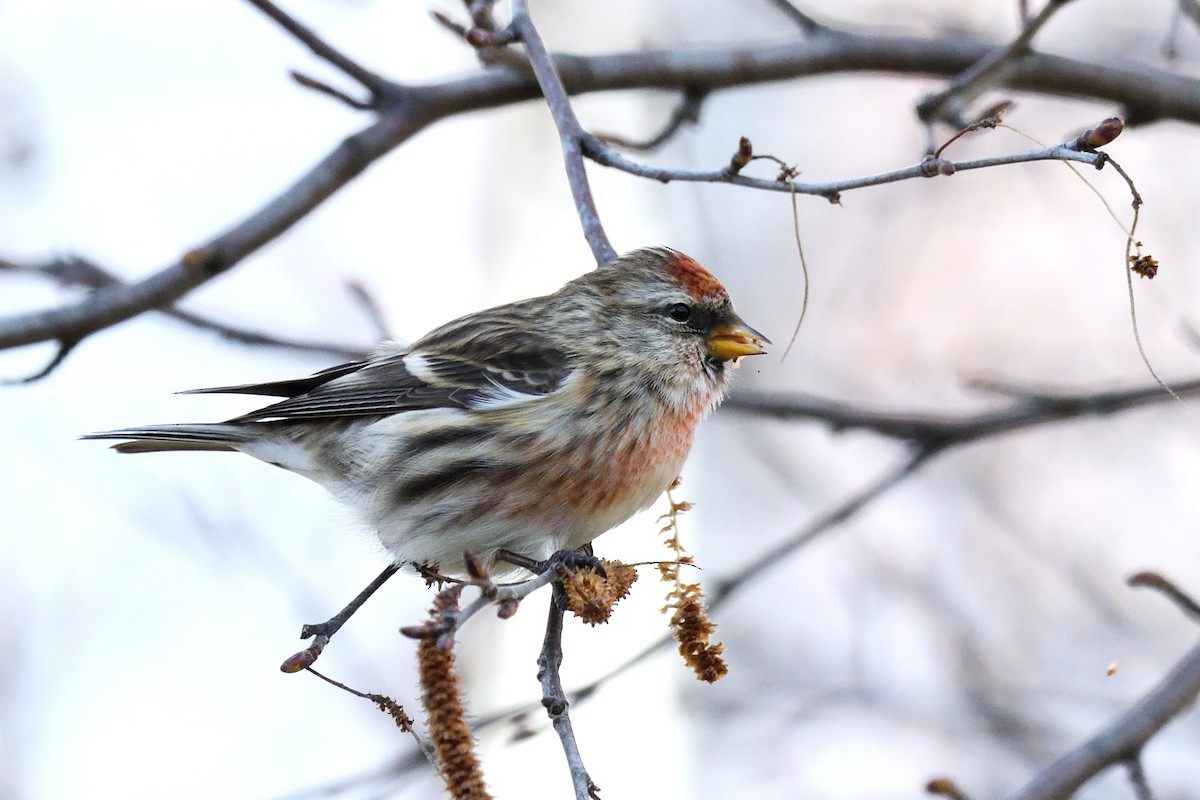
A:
x,y
531,427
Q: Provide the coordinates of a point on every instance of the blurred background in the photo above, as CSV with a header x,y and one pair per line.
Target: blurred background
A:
x,y
962,625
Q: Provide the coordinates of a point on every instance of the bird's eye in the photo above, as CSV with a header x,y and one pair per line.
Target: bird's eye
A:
x,y
680,312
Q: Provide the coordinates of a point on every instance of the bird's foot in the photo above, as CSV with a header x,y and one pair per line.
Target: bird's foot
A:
x,y
583,558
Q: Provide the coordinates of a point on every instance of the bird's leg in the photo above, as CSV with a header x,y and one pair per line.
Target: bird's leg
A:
x,y
583,558
332,625
562,560
325,630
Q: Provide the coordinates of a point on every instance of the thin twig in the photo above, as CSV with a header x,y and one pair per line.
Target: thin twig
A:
x,y
832,190
971,82
377,85
402,722
61,352
1182,600
570,132
727,585
1137,777
687,112
807,24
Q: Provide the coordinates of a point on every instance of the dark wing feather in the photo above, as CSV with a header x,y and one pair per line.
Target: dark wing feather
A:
x,y
285,388
464,370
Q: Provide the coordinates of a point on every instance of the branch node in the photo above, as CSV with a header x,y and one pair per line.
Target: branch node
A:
x,y
373,83
309,82
933,166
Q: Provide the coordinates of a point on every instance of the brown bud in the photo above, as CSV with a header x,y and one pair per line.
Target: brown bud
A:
x,y
507,609
1101,135
742,157
417,631
299,661
195,259
946,788
478,37
475,566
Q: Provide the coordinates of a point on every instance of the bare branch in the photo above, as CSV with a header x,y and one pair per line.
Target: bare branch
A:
x,y
803,21
554,699
64,349
687,112
1146,94
730,584
1137,778
932,431
1123,738
1180,598
570,132
603,154
309,82
968,84
114,304
77,271
377,85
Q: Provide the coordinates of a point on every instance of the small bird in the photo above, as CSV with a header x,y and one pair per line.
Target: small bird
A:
x,y
530,428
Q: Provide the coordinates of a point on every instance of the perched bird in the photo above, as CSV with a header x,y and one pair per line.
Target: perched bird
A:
x,y
532,427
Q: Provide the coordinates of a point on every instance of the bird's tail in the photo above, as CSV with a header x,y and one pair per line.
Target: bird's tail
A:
x,y
217,437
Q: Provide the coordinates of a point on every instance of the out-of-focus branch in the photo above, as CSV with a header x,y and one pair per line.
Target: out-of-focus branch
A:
x,y
1182,600
76,271
968,84
686,113
375,84
927,430
803,21
570,132
1123,738
1184,9
117,303
1137,778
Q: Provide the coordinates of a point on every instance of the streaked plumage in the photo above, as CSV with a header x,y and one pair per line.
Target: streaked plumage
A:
x,y
533,427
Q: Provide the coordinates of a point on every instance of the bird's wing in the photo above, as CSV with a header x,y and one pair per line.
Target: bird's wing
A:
x,y
472,373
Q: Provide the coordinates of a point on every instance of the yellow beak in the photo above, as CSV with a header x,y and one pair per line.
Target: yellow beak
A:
x,y
735,339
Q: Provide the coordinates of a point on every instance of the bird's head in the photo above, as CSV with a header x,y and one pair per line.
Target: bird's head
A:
x,y
660,309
